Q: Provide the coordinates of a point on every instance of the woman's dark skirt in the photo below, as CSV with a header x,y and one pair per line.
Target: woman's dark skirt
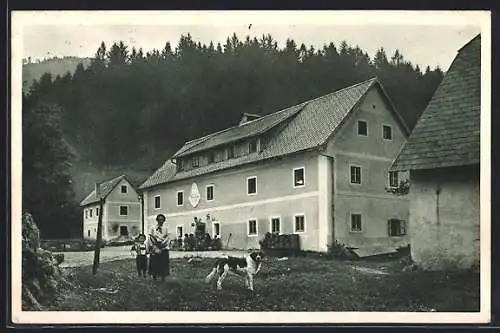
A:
x,y
159,264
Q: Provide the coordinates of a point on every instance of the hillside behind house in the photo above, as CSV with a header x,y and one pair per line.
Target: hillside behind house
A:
x,y
55,66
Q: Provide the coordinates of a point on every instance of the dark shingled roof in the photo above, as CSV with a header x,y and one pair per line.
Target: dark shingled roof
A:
x,y
246,130
306,126
106,188
447,133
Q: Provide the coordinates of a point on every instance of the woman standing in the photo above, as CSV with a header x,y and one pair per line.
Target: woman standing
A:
x,y
159,263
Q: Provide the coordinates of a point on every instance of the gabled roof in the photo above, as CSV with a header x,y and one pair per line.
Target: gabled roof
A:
x,y
106,187
447,133
306,126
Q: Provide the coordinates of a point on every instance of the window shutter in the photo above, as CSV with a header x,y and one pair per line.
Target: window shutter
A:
x,y
389,228
403,227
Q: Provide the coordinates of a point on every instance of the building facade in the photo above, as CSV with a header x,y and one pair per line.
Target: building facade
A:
x,y
121,210
319,169
443,155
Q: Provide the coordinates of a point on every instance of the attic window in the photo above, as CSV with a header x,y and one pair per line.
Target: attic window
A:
x,y
362,128
219,155
211,157
179,165
252,146
387,132
230,151
195,162
124,189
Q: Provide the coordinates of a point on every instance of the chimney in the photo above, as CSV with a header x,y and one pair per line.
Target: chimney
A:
x,y
248,117
97,189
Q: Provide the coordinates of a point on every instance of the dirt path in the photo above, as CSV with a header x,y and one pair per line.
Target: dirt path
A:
x,y
76,259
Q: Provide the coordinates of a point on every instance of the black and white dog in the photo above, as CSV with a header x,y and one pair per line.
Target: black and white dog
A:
x,y
246,267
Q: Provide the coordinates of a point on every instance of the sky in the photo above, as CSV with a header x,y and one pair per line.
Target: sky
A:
x,y
432,42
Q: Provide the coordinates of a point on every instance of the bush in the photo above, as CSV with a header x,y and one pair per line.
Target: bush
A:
x,y
402,189
59,258
340,251
278,245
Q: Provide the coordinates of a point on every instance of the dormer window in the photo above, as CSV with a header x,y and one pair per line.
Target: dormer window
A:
x,y
219,155
211,157
230,151
180,165
252,146
195,162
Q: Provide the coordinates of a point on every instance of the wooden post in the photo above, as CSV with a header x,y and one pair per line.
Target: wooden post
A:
x,y
141,198
97,251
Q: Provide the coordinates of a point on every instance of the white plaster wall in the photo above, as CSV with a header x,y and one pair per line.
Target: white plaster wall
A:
x,y
444,218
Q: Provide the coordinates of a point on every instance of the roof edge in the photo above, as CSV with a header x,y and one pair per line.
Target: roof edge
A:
x,y
234,167
118,179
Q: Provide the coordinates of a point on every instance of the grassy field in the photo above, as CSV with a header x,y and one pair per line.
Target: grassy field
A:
x,y
298,284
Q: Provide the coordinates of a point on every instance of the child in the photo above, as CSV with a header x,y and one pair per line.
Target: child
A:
x,y
141,258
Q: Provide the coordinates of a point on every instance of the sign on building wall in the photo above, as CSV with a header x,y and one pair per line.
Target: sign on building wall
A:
x,y
194,197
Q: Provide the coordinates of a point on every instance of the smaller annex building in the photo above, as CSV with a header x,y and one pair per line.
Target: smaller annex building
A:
x,y
443,155
121,210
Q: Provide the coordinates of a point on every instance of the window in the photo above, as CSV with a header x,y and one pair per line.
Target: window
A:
x,y
362,128
195,161
123,210
275,225
396,227
179,231
252,146
355,174
211,157
230,152
356,223
219,155
216,229
300,223
157,202
179,164
86,213
251,185
97,212
298,177
387,132
124,188
88,233
252,227
180,198
90,212
123,230
210,192
393,179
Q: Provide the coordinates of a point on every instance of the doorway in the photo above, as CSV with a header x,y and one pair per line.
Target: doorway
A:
x,y
180,232
215,229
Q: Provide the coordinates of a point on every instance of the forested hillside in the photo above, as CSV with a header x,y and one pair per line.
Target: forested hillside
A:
x,y
33,70
130,110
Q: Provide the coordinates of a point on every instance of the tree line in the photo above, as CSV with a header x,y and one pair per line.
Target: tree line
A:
x,y
136,108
